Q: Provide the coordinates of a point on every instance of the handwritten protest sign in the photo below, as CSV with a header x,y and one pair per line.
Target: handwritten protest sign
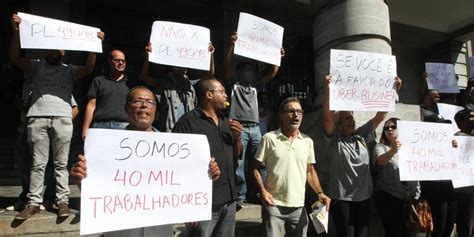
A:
x,y
362,81
259,39
181,45
426,152
137,179
448,111
466,161
38,32
441,77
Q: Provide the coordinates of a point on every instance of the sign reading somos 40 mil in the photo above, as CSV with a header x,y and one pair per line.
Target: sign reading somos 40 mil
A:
x,y
362,81
138,179
38,32
426,151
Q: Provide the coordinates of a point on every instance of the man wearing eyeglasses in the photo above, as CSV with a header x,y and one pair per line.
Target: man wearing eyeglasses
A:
x,y
288,156
107,96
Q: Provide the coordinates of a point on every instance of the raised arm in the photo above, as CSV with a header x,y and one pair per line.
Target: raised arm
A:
x,y
85,70
384,158
14,51
145,74
272,73
328,116
313,181
228,57
212,69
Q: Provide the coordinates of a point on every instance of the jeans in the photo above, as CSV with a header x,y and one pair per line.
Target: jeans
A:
x,y
43,132
351,219
110,124
222,223
250,135
285,221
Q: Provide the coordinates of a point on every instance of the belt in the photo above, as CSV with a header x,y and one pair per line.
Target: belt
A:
x,y
248,124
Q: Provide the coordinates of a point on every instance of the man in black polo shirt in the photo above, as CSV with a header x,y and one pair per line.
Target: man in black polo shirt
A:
x,y
107,96
224,141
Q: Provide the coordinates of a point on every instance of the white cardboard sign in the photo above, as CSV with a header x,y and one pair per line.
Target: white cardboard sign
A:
x,y
441,77
259,39
466,161
38,32
138,179
362,81
426,151
448,112
181,45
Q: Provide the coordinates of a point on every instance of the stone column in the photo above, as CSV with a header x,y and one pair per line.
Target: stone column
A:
x,y
348,24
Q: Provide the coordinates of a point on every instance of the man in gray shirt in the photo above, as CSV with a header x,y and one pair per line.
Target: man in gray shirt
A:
x,y
49,118
244,108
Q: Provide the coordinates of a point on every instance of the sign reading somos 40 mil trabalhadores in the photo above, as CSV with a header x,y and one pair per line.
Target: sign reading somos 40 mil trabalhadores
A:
x,y
38,32
362,81
426,151
138,179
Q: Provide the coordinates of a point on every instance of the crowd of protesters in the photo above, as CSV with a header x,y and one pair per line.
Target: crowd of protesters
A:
x,y
259,153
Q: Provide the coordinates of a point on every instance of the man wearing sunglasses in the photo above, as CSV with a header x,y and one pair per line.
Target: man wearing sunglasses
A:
x,y
107,96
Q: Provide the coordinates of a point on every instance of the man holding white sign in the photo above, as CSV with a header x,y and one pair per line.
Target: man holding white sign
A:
x,y
225,144
141,108
49,118
244,108
176,92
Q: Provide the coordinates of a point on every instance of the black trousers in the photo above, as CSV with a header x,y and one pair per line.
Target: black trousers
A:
x,y
465,215
393,214
351,219
443,204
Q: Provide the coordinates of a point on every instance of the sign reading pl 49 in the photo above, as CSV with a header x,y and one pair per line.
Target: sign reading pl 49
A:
x,y
38,32
138,179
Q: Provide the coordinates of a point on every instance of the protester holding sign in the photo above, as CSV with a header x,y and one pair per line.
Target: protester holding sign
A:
x,y
141,109
224,142
350,184
465,195
289,159
49,118
244,108
107,96
440,193
176,92
391,194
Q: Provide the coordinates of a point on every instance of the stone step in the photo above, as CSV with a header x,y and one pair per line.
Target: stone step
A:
x,y
47,224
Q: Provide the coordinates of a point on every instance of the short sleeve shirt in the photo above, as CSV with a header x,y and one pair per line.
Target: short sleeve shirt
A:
x,y
388,177
286,162
52,87
110,98
350,178
221,146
